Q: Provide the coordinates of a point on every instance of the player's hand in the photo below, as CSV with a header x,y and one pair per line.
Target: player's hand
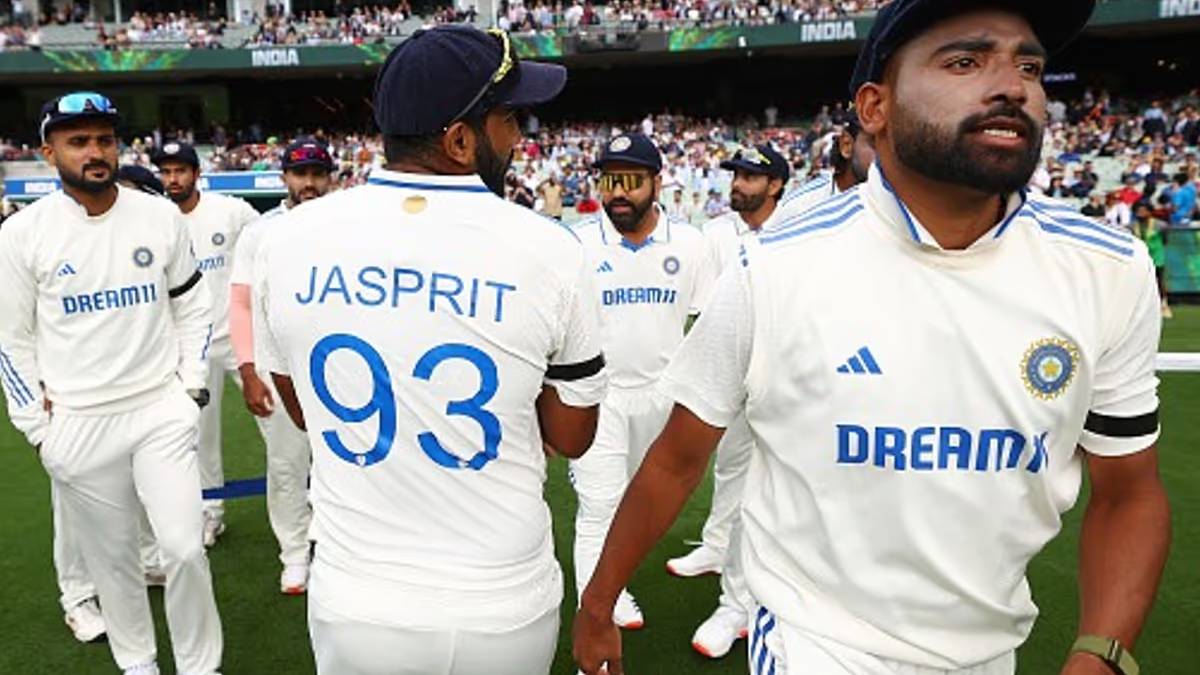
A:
x,y
1086,664
597,647
257,395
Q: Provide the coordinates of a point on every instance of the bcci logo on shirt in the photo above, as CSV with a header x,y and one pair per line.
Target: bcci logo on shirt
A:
x,y
671,265
1049,366
218,239
142,256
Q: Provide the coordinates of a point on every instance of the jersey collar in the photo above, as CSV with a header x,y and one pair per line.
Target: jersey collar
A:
x,y
901,220
423,181
613,237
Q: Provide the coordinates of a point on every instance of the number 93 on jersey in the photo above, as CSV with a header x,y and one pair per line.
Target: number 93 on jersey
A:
x,y
382,405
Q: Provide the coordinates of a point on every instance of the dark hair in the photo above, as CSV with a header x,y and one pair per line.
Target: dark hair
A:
x,y
1181,178
1143,204
399,148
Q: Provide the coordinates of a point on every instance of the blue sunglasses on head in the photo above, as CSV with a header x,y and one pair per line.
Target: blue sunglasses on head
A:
x,y
81,103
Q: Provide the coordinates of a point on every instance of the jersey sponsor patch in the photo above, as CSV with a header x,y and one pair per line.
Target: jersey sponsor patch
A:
x,y
941,448
1049,367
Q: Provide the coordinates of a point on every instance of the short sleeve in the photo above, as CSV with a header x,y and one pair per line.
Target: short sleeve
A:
x,y
576,368
182,273
268,353
708,373
1123,418
243,255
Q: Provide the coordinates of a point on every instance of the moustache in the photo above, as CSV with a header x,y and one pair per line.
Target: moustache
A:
x,y
1010,116
97,165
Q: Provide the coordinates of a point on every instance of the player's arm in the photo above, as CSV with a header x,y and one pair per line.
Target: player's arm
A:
x,y
575,380
707,379
241,333
191,308
1127,525
274,360
18,355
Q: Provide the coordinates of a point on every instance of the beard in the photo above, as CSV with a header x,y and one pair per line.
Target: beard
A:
x,y
303,195
491,167
181,196
743,203
949,156
628,222
80,182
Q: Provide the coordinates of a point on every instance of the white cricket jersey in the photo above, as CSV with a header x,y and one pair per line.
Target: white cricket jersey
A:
x,y
724,237
242,273
215,225
646,293
85,307
917,411
800,199
418,337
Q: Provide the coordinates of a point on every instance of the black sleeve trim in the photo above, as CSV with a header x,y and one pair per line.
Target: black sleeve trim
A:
x,y
576,371
1122,427
187,285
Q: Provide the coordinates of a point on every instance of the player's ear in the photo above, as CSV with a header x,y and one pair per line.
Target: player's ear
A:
x,y
459,143
48,153
872,102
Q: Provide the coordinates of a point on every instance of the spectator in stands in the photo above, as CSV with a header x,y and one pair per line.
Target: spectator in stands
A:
x,y
1116,212
587,203
551,193
1151,231
1094,208
1129,193
1182,200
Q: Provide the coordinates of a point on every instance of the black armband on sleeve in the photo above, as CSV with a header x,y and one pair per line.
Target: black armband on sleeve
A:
x,y
576,371
1122,427
185,286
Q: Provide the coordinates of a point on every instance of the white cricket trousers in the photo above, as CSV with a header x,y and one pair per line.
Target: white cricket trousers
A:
x,y
74,581
776,648
723,528
289,460
105,469
630,420
344,646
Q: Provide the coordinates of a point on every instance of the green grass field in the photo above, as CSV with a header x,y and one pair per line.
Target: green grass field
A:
x,y
265,633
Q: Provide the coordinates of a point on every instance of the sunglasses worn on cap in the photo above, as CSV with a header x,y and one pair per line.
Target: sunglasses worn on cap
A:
x,y
508,61
753,156
628,181
309,153
79,103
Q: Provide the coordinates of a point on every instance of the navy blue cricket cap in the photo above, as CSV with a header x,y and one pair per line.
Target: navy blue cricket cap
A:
x,y
444,74
174,151
631,149
141,178
763,160
74,106
306,151
1055,22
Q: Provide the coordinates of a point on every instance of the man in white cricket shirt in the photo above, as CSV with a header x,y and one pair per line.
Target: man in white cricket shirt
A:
x,y
430,349
102,360
850,158
649,277
215,222
307,168
759,176
928,363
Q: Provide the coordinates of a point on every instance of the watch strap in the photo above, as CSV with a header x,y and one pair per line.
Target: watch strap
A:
x,y
1109,649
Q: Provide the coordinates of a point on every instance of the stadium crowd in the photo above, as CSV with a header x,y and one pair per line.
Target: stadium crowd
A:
x,y
517,16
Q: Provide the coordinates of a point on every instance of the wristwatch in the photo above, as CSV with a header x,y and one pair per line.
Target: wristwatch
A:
x,y
1108,649
200,396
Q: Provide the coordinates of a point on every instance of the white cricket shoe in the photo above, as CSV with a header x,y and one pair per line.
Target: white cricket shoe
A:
x,y
85,621
144,669
715,637
627,614
702,560
293,580
214,526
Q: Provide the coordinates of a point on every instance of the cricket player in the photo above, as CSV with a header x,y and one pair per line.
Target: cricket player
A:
x,y
649,272
215,222
102,358
928,363
851,157
759,177
430,348
77,593
307,168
